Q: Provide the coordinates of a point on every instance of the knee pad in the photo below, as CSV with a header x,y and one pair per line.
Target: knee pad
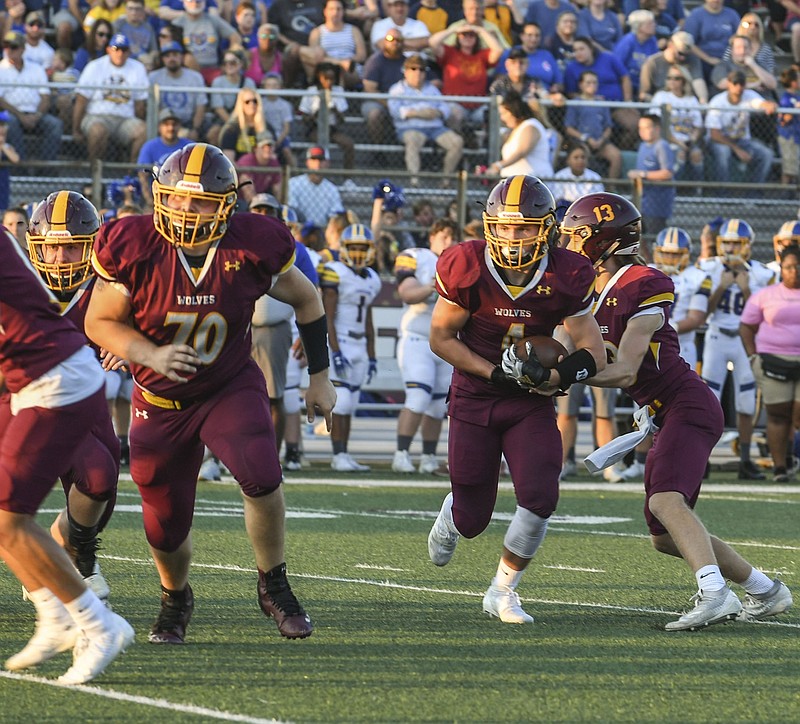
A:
x,y
291,400
525,533
345,400
437,409
746,399
417,399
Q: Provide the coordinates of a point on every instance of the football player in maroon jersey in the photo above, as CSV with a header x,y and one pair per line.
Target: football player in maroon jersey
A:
x,y
60,236
57,399
188,278
633,313
493,293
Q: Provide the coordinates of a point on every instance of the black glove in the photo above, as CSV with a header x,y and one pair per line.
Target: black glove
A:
x,y
502,380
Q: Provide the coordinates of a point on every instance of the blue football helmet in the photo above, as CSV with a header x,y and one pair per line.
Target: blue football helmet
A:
x,y
358,246
672,250
789,233
734,241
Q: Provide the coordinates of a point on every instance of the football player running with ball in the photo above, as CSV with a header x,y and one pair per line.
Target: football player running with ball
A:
x,y
188,277
492,294
632,310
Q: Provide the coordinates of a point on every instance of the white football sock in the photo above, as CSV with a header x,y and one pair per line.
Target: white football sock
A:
x,y
709,579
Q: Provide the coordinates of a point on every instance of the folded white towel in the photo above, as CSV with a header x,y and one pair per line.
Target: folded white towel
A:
x,y
615,450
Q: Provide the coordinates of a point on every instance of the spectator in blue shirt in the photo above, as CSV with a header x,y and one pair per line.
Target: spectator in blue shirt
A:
x,y
655,161
637,45
542,66
155,151
711,26
591,125
597,22
614,84
789,127
545,14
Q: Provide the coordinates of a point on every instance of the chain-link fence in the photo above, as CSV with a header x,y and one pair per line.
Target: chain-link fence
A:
x,y
360,132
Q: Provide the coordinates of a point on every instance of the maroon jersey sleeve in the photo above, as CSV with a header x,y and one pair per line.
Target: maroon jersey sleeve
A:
x,y
663,370
34,337
208,307
457,272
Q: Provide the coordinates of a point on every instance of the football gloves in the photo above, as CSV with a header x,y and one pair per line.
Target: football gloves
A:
x,y
527,373
372,370
340,364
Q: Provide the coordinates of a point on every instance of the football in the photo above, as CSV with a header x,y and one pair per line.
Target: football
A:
x,y
547,349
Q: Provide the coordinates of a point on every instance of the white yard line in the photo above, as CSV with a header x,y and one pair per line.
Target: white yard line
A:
x,y
143,700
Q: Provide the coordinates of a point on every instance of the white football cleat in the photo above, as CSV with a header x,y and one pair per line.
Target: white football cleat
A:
x,y
209,470
50,638
634,472
98,650
614,474
568,470
402,462
442,540
757,606
356,466
428,464
97,583
708,609
503,603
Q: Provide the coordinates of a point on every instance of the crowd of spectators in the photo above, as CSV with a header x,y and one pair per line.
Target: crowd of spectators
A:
x,y
713,66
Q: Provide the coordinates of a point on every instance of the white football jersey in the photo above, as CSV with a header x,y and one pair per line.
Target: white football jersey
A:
x,y
421,264
692,290
356,294
730,306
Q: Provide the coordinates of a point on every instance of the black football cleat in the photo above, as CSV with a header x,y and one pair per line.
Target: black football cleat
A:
x,y
749,471
174,617
277,601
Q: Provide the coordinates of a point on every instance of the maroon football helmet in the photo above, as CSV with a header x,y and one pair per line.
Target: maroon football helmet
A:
x,y
602,224
203,174
526,202
60,238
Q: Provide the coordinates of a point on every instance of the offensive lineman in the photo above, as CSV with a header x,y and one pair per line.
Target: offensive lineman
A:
x,y
189,276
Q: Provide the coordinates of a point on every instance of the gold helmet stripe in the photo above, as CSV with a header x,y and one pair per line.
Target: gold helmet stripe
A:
x,y
58,222
194,165
732,227
514,192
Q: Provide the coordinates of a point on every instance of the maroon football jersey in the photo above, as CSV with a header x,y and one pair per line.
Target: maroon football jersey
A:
x,y
207,308
34,337
501,314
632,291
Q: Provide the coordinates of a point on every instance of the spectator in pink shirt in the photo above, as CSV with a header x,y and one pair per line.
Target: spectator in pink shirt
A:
x,y
770,330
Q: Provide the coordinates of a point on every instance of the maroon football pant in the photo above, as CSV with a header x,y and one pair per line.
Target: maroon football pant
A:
x,y
95,465
690,427
39,445
167,450
524,430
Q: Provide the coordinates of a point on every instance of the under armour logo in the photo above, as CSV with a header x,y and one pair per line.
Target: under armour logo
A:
x,y
582,375
233,265
611,302
543,290
141,413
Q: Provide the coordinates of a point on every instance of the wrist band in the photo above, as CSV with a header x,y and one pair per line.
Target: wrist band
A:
x,y
577,367
314,336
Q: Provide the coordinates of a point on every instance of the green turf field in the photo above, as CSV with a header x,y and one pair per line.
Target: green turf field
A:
x,y
398,639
